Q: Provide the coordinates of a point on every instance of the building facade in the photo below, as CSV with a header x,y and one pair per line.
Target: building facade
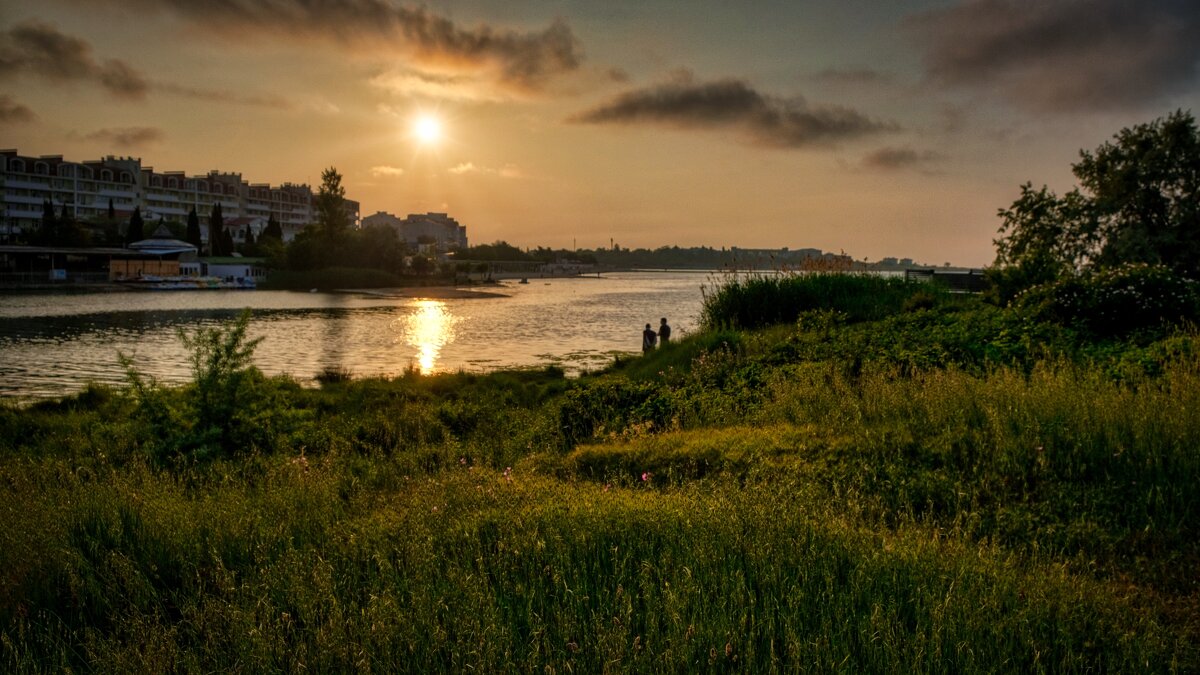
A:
x,y
86,189
427,232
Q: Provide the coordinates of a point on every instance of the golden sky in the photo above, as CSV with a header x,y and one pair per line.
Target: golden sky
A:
x,y
878,129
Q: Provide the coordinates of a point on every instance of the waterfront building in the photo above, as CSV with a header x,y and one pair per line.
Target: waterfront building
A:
x,y
86,189
426,232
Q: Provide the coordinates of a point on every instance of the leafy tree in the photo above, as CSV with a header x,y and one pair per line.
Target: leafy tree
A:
x,y
331,205
136,225
1139,202
69,232
216,228
193,229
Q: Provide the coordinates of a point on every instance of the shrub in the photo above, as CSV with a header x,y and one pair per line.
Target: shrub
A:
x,y
1117,301
613,406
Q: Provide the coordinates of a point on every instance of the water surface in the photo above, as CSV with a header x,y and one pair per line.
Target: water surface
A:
x,y
52,344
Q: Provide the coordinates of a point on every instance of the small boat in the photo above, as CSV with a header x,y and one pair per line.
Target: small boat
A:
x,y
523,281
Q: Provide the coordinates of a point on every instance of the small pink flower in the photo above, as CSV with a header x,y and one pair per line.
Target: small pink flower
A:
x,y
645,476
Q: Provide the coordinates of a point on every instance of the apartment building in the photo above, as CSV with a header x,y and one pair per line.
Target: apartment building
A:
x,y
86,189
428,232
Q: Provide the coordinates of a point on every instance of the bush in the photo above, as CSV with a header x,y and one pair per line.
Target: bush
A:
x,y
613,406
1115,302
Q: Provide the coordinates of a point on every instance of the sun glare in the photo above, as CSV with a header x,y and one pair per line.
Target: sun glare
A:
x,y
427,129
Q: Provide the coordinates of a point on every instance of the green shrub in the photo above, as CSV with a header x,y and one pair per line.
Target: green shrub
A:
x,y
1117,301
612,406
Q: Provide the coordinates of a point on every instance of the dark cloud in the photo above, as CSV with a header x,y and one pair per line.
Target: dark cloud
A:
x,y
526,60
892,159
12,112
127,137
41,49
733,104
1064,55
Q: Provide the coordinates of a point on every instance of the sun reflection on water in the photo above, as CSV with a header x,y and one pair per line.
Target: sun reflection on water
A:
x,y
429,328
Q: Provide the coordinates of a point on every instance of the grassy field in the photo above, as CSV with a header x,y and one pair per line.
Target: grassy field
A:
x,y
915,483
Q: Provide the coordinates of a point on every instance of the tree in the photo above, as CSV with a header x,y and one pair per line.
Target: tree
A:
x,y
193,229
112,211
273,229
1139,202
47,234
216,227
135,231
226,242
331,205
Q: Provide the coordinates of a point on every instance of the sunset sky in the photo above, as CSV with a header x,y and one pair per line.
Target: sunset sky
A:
x,y
875,128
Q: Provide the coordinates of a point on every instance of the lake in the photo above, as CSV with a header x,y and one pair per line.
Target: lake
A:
x,y
52,344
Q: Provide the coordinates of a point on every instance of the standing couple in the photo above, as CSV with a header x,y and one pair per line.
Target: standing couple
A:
x,y
649,337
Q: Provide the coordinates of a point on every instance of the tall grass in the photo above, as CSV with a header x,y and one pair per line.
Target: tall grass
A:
x,y
478,570
757,300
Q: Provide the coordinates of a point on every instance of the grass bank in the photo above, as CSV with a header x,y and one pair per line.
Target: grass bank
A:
x,y
942,486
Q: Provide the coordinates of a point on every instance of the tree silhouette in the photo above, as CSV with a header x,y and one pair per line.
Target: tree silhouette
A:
x,y
135,231
193,229
1139,203
216,228
273,229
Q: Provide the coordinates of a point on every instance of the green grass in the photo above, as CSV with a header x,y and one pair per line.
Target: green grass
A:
x,y
948,487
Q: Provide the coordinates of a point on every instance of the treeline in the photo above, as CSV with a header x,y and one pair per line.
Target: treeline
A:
x,y
695,257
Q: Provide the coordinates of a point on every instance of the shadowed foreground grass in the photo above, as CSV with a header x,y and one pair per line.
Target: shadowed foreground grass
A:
x,y
314,569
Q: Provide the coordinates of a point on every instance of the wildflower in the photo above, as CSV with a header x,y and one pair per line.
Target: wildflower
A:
x,y
645,476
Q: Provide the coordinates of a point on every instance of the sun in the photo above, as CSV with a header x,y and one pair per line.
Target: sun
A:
x,y
427,129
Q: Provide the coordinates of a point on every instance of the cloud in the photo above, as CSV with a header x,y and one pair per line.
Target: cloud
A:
x,y
893,159
41,49
12,112
507,171
522,60
222,96
384,170
1067,55
732,104
127,137
853,76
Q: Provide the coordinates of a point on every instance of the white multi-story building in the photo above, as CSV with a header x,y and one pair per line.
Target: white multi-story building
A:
x,y
86,189
434,232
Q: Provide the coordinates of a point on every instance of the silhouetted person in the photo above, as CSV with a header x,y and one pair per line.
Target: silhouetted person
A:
x,y
649,337
664,332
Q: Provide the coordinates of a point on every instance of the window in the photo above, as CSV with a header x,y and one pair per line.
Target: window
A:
x,y
41,168
16,165
156,181
126,177
106,175
173,183
66,170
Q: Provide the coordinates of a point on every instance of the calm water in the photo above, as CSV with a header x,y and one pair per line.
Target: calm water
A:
x,y
52,344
